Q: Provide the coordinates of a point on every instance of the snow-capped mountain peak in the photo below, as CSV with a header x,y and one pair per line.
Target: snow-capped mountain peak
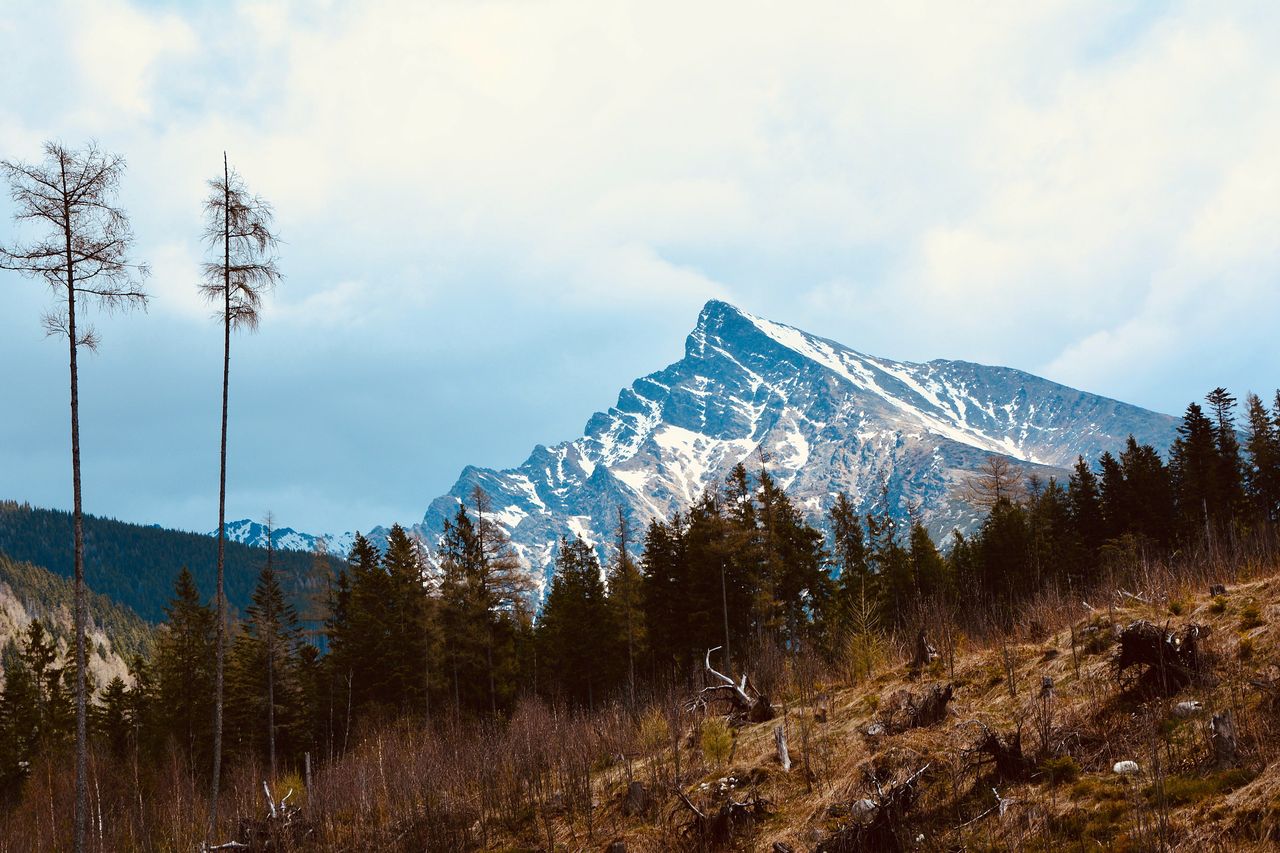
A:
x,y
821,417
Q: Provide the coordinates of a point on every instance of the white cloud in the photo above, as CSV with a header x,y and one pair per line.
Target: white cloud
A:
x,y
118,47
1064,185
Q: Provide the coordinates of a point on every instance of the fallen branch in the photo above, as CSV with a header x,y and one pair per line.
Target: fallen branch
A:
x,y
755,709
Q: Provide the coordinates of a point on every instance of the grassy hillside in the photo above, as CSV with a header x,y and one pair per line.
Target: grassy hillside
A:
x,y
849,746
136,565
1050,685
29,592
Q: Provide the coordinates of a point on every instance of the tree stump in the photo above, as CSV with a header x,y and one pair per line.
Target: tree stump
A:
x,y
1223,740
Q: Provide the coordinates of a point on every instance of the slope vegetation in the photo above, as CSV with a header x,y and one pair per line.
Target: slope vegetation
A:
x,y
28,592
136,565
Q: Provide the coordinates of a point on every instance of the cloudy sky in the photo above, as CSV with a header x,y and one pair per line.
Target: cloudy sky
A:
x,y
497,214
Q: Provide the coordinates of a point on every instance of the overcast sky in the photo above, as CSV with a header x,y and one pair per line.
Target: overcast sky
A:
x,y
497,214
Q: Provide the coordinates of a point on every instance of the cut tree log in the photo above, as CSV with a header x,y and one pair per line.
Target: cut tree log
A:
x,y
1223,740
780,738
905,709
637,800
924,653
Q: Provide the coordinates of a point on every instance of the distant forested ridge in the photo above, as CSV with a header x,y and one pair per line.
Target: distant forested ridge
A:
x,y
47,597
136,565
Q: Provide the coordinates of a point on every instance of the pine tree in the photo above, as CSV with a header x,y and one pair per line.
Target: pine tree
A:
x,y
927,566
407,656
184,668
1085,500
1196,467
1150,493
575,631
111,716
1263,448
264,660
1230,467
625,598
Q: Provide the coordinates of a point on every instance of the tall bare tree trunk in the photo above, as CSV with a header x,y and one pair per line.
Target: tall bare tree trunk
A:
x,y
72,192
271,663
222,502
82,745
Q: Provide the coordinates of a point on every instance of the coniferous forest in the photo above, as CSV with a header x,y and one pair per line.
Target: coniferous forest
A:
x,y
394,652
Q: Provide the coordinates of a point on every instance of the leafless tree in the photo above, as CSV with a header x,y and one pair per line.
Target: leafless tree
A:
x,y
83,253
996,480
243,266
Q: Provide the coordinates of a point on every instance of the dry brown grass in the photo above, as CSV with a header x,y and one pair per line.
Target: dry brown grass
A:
x,y
550,779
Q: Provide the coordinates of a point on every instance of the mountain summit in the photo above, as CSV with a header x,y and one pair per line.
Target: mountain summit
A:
x,y
820,417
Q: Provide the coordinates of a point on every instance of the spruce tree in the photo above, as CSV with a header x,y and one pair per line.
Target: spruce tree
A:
x,y
484,614
1003,547
854,581
1117,509
407,630
665,586
1196,470
927,566
891,564
1151,493
184,668
111,716
1230,466
1084,498
625,598
264,659
797,560
1263,448
367,639
19,717
575,632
